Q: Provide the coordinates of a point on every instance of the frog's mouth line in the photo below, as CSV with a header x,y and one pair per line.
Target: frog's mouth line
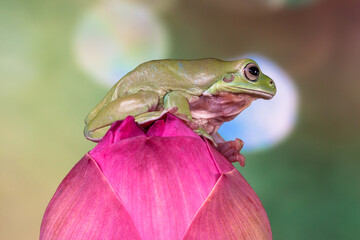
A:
x,y
254,93
263,95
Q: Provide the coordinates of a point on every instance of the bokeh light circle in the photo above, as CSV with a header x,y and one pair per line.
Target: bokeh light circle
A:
x,y
112,38
266,122
290,3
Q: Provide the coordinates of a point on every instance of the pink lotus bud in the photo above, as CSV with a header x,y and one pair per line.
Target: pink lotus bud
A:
x,y
162,183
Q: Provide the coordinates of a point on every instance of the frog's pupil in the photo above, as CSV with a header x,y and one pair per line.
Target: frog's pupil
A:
x,y
254,71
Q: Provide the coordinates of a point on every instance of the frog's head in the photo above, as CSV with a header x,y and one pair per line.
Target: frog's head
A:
x,y
243,76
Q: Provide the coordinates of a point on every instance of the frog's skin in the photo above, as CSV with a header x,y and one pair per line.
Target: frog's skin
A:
x,y
204,93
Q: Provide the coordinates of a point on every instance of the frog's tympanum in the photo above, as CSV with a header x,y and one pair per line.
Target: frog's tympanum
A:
x,y
204,93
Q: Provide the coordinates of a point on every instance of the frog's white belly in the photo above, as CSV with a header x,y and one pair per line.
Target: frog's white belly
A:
x,y
210,112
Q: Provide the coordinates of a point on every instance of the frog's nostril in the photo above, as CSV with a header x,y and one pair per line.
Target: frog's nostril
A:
x,y
271,82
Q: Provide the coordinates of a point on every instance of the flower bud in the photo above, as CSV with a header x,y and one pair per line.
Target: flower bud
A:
x,y
163,182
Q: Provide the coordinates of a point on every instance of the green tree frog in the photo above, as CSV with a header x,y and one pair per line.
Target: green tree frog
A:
x,y
204,93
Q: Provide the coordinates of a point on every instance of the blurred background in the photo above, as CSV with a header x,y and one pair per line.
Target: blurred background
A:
x,y
59,58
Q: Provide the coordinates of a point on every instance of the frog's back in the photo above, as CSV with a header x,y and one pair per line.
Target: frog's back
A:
x,y
163,76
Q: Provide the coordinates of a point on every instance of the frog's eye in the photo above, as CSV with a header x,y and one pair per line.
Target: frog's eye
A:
x,y
229,78
251,72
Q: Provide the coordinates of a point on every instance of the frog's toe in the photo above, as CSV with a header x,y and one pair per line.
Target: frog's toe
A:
x,y
231,150
237,145
95,135
237,157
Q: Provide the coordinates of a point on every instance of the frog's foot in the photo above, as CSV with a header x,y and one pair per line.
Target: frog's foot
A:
x,y
149,117
231,150
97,134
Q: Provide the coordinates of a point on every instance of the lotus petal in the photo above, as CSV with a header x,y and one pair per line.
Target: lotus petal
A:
x,y
158,182
232,211
161,179
86,207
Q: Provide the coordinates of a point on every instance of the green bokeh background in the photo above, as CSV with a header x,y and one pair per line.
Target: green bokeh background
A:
x,y
308,184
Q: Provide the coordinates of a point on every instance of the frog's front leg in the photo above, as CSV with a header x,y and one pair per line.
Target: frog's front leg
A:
x,y
119,109
178,99
230,149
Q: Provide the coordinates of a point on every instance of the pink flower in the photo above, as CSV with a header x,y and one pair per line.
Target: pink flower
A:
x,y
162,183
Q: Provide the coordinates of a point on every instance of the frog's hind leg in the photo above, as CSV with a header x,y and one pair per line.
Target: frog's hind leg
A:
x,y
119,109
108,97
